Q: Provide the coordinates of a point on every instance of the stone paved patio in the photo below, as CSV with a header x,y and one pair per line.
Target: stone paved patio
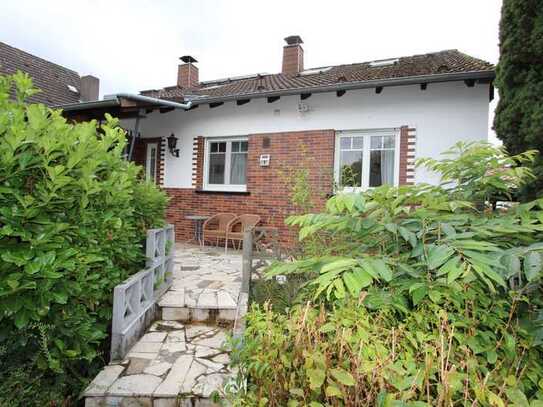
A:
x,y
204,278
179,361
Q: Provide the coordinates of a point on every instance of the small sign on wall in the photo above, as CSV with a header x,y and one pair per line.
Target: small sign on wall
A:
x,y
264,160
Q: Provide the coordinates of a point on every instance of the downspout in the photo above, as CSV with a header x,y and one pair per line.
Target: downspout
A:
x,y
155,101
148,99
133,139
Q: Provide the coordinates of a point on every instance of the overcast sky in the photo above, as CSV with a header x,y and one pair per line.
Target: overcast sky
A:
x,y
134,45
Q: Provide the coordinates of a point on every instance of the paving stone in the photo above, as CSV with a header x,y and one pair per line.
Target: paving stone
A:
x,y
211,366
215,341
207,300
223,358
200,315
225,300
153,337
173,347
104,380
175,314
137,366
197,330
136,385
212,383
176,336
157,369
172,402
139,355
166,326
227,314
172,384
196,369
204,351
146,347
173,298
136,402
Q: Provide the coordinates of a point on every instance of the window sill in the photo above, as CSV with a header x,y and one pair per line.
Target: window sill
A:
x,y
223,192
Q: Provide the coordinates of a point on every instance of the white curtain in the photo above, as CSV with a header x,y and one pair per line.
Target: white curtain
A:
x,y
238,169
387,167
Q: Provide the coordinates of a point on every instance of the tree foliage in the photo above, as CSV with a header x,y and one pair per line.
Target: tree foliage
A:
x,y
73,216
422,296
519,78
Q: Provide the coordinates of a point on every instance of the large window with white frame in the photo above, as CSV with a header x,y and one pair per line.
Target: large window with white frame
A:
x,y
225,166
367,158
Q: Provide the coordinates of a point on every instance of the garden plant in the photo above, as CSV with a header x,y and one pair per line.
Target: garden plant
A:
x,y
421,296
73,216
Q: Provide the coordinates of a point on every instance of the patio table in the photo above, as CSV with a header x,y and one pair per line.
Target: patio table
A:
x,y
198,221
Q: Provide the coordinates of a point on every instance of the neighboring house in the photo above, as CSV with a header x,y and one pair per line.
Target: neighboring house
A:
x,y
59,85
356,126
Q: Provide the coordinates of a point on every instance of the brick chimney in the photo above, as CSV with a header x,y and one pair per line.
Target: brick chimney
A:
x,y
89,88
187,73
293,55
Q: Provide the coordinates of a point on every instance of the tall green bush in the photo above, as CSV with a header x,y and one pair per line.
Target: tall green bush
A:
x,y
519,79
73,216
431,297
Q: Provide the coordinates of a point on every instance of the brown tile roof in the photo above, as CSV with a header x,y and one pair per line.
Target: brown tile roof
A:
x,y
51,78
443,62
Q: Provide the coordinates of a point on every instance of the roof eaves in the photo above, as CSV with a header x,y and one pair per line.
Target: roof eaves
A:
x,y
352,85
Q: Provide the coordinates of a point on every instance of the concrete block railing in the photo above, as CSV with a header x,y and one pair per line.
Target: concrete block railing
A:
x,y
135,299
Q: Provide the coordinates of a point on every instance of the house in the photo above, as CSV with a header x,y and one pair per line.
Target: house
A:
x,y
228,145
59,85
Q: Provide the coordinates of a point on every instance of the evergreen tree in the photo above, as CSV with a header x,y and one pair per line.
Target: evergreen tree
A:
x,y
519,79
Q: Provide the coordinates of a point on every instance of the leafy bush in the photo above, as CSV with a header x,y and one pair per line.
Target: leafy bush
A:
x,y
431,297
73,216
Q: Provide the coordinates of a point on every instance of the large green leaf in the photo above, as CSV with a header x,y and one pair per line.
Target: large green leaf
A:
x,y
343,377
437,255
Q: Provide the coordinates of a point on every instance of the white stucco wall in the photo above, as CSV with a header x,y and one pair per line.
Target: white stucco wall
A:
x,y
443,114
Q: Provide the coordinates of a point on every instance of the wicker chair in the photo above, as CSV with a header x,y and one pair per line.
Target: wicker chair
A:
x,y
215,227
236,227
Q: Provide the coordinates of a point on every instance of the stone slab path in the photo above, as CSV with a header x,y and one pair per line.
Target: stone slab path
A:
x,y
181,359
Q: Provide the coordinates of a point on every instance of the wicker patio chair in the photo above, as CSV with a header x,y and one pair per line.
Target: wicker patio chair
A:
x,y
215,227
236,227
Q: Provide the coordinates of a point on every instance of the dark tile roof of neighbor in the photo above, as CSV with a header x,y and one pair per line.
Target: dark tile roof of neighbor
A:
x,y
52,79
436,63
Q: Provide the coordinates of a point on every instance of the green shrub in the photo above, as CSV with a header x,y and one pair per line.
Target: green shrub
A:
x,y
431,297
73,216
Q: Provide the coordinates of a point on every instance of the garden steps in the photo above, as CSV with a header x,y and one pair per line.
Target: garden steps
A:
x,y
171,365
180,360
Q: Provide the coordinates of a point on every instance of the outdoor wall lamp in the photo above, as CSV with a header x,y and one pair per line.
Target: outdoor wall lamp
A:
x,y
172,143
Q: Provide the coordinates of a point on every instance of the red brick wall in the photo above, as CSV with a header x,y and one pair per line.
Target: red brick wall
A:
x,y
293,59
268,191
407,155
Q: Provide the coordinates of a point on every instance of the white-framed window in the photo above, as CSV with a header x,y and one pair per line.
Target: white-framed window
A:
x,y
367,158
225,164
151,161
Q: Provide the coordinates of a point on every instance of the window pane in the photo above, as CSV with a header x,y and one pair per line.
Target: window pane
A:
x,y
216,168
358,143
222,147
235,146
381,168
350,167
152,164
238,169
388,142
244,146
376,142
345,143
